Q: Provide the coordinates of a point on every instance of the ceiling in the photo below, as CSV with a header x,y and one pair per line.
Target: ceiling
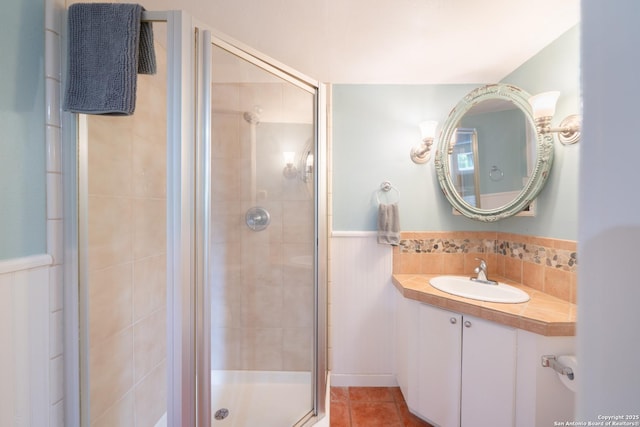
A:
x,y
392,41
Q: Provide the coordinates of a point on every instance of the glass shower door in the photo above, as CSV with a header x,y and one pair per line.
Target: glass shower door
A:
x,y
262,243
123,261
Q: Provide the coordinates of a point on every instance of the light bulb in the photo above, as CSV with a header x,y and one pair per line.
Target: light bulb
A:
x,y
544,104
428,129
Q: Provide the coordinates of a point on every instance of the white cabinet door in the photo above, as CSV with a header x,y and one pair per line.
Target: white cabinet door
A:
x,y
488,373
439,350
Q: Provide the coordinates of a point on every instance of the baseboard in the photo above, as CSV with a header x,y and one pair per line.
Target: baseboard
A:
x,y
356,380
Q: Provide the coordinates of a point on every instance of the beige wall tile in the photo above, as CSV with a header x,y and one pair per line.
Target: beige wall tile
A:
x,y
226,312
225,259
569,245
226,180
224,97
151,397
533,275
573,291
150,343
500,265
111,371
152,110
149,165
110,231
297,221
262,348
432,263
149,285
558,283
513,269
110,302
297,303
150,221
226,348
262,305
225,135
396,260
224,228
118,415
297,274
453,264
109,160
297,349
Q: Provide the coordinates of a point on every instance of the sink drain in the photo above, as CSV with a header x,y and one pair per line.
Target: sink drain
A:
x,y
221,414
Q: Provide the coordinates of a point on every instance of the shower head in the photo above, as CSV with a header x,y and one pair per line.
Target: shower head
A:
x,y
252,118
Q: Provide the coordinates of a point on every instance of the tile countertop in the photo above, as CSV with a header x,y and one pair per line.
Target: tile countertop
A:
x,y
543,314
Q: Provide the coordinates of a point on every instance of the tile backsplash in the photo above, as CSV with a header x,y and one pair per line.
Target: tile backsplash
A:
x,y
545,264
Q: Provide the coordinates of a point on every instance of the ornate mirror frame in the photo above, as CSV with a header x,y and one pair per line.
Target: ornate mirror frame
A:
x,y
539,174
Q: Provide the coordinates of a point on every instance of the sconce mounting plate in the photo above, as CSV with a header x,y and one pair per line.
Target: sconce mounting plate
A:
x,y
572,136
419,155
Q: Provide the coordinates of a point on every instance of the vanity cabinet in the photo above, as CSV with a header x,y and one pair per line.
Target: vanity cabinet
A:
x,y
466,370
481,373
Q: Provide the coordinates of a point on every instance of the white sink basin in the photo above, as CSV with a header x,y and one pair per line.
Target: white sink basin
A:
x,y
465,287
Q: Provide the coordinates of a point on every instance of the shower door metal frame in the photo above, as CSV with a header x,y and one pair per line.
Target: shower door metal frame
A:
x,y
205,39
181,389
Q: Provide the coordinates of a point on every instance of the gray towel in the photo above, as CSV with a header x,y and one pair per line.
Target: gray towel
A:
x,y
108,46
388,224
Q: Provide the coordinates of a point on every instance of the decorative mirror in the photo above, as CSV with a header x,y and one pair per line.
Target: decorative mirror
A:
x,y
490,160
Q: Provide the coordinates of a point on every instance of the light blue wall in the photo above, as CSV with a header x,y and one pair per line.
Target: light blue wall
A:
x,y
375,126
557,67
22,124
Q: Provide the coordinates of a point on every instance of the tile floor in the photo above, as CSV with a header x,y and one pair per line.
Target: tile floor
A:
x,y
371,407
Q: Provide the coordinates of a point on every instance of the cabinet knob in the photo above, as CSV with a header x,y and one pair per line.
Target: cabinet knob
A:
x,y
467,324
453,320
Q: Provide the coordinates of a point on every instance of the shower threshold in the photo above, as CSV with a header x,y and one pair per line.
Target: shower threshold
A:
x,y
260,398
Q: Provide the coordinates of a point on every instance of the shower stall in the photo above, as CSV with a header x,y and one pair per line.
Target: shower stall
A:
x,y
202,243
262,274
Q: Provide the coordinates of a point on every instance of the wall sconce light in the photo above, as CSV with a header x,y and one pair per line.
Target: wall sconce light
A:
x,y
544,107
307,163
289,171
422,153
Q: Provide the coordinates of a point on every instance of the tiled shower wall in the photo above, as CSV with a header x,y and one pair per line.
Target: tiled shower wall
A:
x,y
127,259
545,264
262,281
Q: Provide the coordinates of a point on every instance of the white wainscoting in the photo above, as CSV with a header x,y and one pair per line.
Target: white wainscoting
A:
x,y
361,307
30,344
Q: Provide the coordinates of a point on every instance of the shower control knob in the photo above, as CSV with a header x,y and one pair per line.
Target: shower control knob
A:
x,y
257,218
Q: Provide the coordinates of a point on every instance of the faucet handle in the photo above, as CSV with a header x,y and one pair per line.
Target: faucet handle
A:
x,y
483,263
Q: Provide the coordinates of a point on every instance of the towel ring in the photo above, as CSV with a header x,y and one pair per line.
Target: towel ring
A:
x,y
496,173
386,187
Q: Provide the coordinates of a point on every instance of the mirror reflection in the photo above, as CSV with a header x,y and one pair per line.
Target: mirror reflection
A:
x,y
492,153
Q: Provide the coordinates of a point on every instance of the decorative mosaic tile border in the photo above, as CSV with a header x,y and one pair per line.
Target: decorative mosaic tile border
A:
x,y
447,246
563,259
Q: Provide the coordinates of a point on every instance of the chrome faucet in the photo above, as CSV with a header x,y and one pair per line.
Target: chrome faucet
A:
x,y
481,271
